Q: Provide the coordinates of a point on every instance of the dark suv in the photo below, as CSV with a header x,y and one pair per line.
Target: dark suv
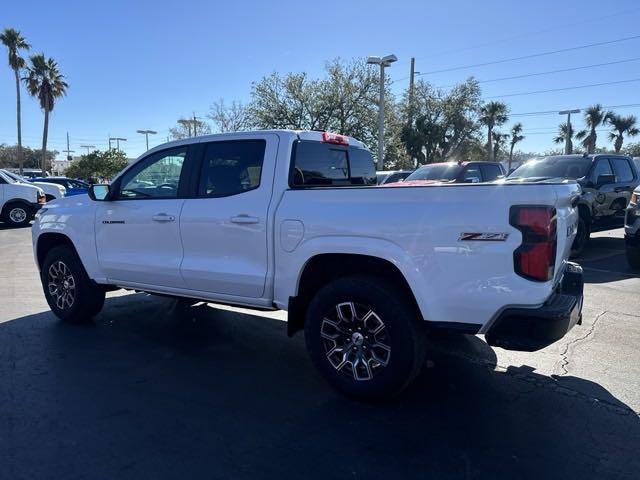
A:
x,y
607,181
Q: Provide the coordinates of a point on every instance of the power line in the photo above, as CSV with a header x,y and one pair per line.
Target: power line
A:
x,y
525,57
583,67
530,33
564,89
555,112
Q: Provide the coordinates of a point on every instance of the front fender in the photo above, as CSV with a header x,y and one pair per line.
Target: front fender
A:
x,y
75,219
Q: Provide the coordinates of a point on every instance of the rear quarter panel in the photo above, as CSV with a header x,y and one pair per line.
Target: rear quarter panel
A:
x,y
418,230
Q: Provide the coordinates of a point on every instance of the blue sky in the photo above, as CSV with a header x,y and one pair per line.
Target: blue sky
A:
x,y
135,65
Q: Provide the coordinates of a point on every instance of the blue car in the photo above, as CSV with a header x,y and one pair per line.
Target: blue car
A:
x,y
74,187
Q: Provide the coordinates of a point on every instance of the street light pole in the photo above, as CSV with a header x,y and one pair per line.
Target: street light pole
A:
x,y
88,147
567,139
383,62
118,140
146,135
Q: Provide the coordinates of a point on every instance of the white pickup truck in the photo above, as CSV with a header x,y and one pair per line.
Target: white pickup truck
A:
x,y
293,220
19,201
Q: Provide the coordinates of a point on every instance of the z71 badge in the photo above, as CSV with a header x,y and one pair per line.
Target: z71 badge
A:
x,y
483,237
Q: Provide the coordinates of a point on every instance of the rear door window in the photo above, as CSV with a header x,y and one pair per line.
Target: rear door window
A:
x,y
471,174
490,172
622,169
319,164
601,167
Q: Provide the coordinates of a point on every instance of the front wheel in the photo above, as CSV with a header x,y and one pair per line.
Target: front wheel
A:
x,y
17,215
365,337
70,293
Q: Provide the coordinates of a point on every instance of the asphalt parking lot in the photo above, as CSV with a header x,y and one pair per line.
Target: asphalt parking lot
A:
x,y
155,391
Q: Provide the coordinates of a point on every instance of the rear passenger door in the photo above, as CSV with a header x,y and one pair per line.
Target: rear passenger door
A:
x,y
224,227
625,183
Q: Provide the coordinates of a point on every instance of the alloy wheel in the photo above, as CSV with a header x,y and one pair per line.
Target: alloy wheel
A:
x,y
18,215
61,284
356,340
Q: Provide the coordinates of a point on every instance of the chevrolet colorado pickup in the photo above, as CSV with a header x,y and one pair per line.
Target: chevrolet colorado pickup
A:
x,y
293,220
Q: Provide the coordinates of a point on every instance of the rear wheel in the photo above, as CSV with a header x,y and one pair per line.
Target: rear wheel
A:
x,y
633,257
364,336
69,291
582,237
17,214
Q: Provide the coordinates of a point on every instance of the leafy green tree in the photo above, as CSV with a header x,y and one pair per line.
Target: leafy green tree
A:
x,y
97,164
493,114
344,101
516,137
621,126
445,121
594,116
30,157
14,41
46,83
632,149
565,130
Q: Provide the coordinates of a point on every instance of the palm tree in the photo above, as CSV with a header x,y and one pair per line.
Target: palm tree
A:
x,y
15,42
621,126
45,82
594,116
493,114
565,130
516,137
499,141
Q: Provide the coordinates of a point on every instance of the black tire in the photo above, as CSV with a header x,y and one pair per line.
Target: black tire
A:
x,y
403,333
582,237
71,294
633,257
17,214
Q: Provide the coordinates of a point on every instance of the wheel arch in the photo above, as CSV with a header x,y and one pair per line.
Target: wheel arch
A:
x,y
19,201
49,240
323,268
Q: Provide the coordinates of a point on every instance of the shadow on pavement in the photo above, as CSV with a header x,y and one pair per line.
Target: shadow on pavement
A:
x,y
604,260
154,391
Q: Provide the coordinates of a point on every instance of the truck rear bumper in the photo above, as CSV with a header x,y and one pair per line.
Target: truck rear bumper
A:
x,y
531,329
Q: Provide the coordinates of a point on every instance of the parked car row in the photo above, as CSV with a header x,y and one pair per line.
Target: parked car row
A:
x,y
22,197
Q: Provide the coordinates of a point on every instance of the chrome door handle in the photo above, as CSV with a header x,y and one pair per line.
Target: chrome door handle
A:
x,y
163,217
244,219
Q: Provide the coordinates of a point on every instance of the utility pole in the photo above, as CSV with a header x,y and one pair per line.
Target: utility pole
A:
x,y
383,62
195,124
567,141
411,77
67,151
110,140
88,147
146,135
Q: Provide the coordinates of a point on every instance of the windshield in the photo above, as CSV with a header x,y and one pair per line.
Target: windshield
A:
x,y
554,167
446,171
15,177
7,176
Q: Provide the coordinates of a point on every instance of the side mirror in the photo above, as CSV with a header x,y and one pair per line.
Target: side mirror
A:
x,y
605,180
471,180
99,192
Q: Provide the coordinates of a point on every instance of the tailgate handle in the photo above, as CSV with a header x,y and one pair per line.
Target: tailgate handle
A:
x,y
244,219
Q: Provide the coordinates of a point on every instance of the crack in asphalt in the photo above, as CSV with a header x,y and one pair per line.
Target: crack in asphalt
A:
x,y
565,352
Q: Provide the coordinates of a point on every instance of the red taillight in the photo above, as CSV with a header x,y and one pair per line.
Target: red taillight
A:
x,y
42,199
335,138
535,259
